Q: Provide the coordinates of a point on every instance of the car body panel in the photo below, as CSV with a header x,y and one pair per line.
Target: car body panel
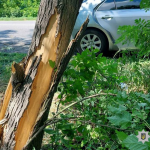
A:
x,y
120,18
87,10
108,21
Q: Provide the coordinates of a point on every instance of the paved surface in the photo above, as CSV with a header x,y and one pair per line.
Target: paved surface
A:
x,y
15,36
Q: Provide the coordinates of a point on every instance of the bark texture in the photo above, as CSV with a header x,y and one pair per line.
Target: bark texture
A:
x,y
27,109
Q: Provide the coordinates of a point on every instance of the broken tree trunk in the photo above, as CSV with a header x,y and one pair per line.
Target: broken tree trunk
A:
x,y
26,109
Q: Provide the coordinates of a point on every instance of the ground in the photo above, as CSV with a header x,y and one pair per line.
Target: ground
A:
x,y
15,36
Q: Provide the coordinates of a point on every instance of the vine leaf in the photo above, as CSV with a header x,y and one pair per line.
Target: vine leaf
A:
x,y
52,63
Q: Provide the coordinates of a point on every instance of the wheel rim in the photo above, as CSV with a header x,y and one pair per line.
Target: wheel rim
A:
x,y
90,40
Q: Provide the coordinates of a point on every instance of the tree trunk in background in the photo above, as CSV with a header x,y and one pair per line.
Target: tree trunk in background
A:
x,y
28,108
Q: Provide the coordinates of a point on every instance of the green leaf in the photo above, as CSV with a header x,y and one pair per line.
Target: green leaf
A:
x,y
83,143
132,143
117,110
82,129
52,63
114,120
142,104
137,113
65,126
121,135
95,50
50,131
122,119
69,133
147,143
88,127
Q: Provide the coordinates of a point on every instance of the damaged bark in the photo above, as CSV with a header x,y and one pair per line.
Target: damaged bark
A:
x,y
26,110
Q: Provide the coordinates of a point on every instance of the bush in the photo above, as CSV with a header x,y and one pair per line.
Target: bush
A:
x,y
110,104
30,11
15,12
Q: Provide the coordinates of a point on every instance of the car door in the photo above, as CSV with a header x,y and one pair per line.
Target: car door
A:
x,y
129,11
105,16
124,12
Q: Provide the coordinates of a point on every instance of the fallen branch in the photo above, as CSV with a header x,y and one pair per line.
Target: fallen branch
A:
x,y
51,121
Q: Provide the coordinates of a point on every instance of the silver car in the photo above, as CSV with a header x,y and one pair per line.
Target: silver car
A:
x,y
105,18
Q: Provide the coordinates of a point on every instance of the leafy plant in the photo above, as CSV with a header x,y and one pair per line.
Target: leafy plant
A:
x,y
138,34
97,112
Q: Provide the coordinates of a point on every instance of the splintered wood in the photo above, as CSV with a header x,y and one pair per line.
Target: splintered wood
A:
x,y
41,83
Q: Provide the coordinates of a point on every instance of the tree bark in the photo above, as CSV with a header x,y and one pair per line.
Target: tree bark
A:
x,y
27,109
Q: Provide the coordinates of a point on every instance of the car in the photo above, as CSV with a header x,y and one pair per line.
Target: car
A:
x,y
105,16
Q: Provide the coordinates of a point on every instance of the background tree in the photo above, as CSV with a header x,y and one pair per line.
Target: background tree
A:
x,y
16,8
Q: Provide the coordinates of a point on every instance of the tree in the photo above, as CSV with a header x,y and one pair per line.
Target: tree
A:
x,y
26,105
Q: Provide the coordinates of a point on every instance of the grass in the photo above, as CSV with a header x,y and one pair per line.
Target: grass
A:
x,y
6,60
17,18
137,75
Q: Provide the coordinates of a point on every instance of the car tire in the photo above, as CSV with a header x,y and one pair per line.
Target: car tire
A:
x,y
93,38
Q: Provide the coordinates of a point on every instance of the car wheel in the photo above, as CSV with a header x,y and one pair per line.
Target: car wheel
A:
x,y
95,39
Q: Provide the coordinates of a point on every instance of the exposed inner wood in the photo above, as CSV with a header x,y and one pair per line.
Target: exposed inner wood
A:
x,y
6,100
47,48
5,103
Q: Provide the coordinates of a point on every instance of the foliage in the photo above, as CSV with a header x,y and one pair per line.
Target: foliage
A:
x,y
138,34
145,4
19,8
110,120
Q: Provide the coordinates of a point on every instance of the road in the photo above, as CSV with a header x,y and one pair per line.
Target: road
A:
x,y
15,36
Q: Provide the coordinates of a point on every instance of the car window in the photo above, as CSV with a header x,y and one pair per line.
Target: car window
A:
x,y
127,4
107,5
84,1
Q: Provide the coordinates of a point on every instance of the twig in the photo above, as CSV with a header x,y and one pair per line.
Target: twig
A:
x,y
85,98
146,124
75,118
117,53
112,127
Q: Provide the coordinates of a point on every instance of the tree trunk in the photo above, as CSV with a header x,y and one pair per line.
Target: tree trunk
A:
x,y
26,109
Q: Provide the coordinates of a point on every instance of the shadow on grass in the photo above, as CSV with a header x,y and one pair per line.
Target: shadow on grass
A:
x,y
14,44
6,60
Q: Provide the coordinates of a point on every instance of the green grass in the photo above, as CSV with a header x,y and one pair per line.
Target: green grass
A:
x,y
135,73
138,74
17,18
6,60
